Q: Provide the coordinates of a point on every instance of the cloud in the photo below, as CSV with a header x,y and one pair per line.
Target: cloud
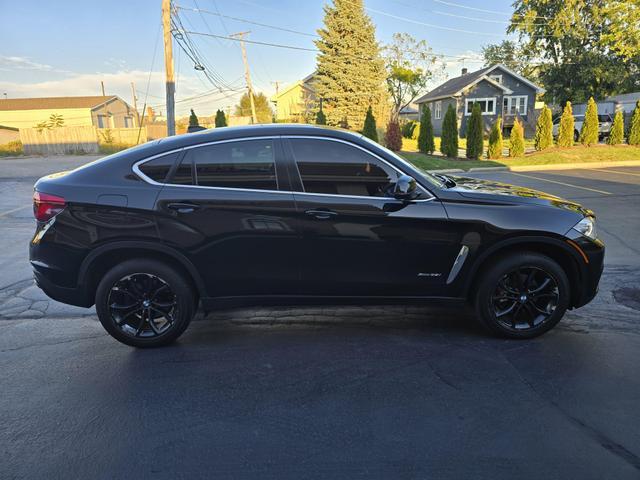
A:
x,y
119,83
12,63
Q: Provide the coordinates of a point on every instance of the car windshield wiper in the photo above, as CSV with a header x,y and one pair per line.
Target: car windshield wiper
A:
x,y
448,181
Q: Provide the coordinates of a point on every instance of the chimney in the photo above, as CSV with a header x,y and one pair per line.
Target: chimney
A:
x,y
464,71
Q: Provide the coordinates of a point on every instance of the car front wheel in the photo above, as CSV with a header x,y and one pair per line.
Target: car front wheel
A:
x,y
522,295
144,303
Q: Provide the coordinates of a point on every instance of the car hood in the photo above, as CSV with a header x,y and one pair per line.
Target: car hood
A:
x,y
501,192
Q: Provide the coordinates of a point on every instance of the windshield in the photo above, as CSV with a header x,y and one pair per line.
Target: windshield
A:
x,y
429,177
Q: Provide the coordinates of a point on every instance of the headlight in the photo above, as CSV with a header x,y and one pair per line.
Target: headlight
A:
x,y
587,227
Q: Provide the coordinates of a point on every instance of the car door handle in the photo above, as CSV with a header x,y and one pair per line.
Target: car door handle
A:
x,y
183,207
321,214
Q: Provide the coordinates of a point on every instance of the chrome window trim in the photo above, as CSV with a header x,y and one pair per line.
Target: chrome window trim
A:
x,y
143,177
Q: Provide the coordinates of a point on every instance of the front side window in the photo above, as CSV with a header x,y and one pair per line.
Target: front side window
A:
x,y
516,104
246,164
337,168
487,105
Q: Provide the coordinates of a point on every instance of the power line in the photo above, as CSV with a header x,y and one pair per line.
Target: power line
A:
x,y
251,22
475,9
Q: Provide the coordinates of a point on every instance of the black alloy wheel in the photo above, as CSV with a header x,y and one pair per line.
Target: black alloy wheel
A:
x,y
522,295
145,303
525,298
142,305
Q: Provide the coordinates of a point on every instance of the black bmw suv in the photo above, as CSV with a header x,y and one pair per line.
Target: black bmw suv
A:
x,y
291,214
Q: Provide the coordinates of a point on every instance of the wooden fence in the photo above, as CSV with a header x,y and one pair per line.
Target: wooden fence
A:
x,y
76,140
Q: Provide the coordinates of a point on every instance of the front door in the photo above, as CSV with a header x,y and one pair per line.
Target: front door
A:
x,y
357,240
227,208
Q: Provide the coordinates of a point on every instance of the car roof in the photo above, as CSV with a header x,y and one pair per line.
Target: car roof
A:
x,y
224,133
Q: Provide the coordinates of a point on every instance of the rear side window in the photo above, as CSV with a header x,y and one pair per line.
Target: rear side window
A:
x,y
158,168
184,173
336,168
242,164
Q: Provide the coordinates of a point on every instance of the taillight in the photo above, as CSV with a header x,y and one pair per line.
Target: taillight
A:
x,y
46,206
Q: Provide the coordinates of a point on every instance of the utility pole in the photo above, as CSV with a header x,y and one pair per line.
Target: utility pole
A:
x,y
277,84
135,101
168,67
247,75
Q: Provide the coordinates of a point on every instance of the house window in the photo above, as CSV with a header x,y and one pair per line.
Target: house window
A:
x,y
103,121
437,110
516,104
487,105
128,122
496,78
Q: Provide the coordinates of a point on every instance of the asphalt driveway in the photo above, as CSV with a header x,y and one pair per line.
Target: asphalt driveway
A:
x,y
352,392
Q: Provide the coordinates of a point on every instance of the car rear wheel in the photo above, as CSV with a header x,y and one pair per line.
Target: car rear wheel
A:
x,y
522,295
144,303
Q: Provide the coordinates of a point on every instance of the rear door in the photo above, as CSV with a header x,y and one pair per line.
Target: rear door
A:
x,y
228,205
357,240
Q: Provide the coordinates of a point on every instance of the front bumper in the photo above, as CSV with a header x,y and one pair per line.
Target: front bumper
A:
x,y
591,270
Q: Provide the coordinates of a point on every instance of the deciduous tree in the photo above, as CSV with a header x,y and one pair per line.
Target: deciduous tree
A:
x,y
263,110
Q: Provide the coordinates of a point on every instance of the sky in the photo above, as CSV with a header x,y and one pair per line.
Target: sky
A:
x,y
67,47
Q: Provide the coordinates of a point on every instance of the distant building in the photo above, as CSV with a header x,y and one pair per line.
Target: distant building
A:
x,y
625,102
499,91
410,112
102,112
297,102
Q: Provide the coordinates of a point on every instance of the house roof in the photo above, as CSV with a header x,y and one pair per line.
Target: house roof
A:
x,y
47,103
302,83
624,98
454,86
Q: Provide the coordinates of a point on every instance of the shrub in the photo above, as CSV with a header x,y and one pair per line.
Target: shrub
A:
x,y
495,140
475,133
449,140
221,119
426,143
11,148
544,130
369,130
393,138
567,127
193,119
408,128
516,140
616,135
416,132
634,127
589,130
112,147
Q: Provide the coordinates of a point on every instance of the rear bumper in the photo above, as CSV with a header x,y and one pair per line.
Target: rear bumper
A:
x,y
69,295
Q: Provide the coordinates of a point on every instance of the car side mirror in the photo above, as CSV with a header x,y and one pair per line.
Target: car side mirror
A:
x,y
406,188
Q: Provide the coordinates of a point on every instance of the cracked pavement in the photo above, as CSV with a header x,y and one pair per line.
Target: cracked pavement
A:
x,y
326,392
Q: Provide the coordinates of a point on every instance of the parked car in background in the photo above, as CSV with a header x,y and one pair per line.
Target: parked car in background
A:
x,y
604,126
286,214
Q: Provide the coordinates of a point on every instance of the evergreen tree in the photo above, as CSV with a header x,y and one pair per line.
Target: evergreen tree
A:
x,y
351,74
589,130
193,120
393,137
321,119
449,140
495,140
634,128
426,142
221,119
475,133
616,135
516,140
544,130
566,132
370,130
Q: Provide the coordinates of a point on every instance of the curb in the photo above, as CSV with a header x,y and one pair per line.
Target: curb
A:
x,y
550,166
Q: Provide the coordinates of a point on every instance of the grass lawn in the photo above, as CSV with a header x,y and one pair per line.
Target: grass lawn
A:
x,y
577,154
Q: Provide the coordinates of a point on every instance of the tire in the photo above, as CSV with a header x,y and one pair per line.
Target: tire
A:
x,y
513,301
145,303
